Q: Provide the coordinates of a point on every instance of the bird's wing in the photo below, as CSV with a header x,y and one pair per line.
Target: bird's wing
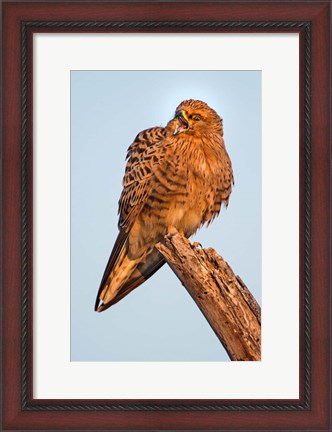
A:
x,y
142,155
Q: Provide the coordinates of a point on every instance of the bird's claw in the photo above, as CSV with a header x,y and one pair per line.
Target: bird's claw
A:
x,y
172,231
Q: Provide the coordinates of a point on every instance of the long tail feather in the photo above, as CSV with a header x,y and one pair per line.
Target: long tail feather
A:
x,y
117,248
145,269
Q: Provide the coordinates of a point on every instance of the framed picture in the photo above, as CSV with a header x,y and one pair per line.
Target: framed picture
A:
x,y
80,81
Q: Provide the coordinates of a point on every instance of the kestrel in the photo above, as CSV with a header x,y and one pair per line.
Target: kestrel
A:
x,y
176,176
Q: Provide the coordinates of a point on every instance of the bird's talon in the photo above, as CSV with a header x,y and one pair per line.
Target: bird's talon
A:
x,y
197,244
172,231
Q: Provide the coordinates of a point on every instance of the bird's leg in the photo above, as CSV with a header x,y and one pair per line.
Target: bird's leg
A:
x,y
171,231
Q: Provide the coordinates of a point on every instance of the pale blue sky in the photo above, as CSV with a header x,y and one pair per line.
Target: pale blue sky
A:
x,y
158,321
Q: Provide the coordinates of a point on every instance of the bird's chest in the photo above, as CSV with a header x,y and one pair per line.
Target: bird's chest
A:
x,y
187,206
202,173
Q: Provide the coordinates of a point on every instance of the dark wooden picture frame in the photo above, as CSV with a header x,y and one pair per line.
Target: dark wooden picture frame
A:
x,y
20,20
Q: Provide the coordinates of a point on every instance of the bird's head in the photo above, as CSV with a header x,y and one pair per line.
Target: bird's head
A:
x,y
194,117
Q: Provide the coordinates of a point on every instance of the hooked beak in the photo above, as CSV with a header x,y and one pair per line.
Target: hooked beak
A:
x,y
183,122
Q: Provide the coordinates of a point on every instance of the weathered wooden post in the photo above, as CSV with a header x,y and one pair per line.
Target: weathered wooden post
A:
x,y
222,297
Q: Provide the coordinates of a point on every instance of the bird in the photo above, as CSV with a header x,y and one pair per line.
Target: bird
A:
x,y
176,177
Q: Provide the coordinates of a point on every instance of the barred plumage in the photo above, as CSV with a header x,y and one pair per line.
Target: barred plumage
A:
x,y
177,176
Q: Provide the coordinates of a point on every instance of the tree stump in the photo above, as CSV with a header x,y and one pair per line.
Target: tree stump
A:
x,y
222,297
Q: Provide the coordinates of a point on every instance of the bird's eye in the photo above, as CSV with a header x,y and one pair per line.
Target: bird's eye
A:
x,y
196,117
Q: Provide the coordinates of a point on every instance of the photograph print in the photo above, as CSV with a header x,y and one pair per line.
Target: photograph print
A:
x,y
159,157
